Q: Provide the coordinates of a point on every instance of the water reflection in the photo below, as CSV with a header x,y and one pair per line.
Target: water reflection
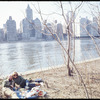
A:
x,y
27,56
88,48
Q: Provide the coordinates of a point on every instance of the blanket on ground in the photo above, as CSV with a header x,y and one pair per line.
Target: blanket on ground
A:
x,y
35,92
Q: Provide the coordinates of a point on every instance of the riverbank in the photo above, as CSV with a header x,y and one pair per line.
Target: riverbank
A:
x,y
60,85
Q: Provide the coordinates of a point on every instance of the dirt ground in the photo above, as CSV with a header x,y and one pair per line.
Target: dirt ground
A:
x,y
58,84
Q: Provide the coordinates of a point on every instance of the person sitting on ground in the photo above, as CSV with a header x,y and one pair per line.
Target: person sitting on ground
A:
x,y
8,87
21,82
9,82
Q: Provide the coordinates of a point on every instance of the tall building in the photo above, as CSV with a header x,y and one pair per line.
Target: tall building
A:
x,y
25,29
70,21
27,25
29,13
85,27
60,31
88,26
1,35
32,30
54,26
47,31
38,28
11,29
44,30
5,32
94,27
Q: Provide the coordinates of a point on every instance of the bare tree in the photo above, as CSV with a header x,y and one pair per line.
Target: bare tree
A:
x,y
58,40
94,14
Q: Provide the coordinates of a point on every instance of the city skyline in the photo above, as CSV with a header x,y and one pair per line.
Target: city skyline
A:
x,y
36,30
16,9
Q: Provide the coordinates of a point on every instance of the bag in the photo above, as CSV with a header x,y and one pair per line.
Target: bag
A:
x,y
7,84
38,80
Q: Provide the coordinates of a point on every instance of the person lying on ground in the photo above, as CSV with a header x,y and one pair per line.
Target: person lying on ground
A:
x,y
21,82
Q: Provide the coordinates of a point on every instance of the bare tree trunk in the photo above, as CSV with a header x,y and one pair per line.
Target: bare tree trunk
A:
x,y
74,43
68,60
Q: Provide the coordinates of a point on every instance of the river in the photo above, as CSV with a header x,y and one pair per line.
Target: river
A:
x,y
27,56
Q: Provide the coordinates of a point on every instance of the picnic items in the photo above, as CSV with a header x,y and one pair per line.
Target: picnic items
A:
x,y
35,92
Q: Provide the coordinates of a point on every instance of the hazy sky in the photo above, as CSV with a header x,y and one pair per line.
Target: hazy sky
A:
x,y
16,9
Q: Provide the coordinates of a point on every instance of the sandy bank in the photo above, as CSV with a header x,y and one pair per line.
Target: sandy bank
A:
x,y
79,63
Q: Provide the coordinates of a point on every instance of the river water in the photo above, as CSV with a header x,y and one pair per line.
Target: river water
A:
x,y
28,56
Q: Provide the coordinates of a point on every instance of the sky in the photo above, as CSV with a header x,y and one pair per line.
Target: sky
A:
x,y
16,9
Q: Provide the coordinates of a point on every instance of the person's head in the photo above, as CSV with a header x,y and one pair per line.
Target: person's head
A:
x,y
10,78
15,74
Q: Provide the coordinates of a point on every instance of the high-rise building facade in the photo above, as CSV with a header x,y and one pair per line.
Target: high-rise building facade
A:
x,y
47,31
27,25
94,27
32,30
38,28
60,31
11,30
29,13
85,27
25,29
70,22
1,35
